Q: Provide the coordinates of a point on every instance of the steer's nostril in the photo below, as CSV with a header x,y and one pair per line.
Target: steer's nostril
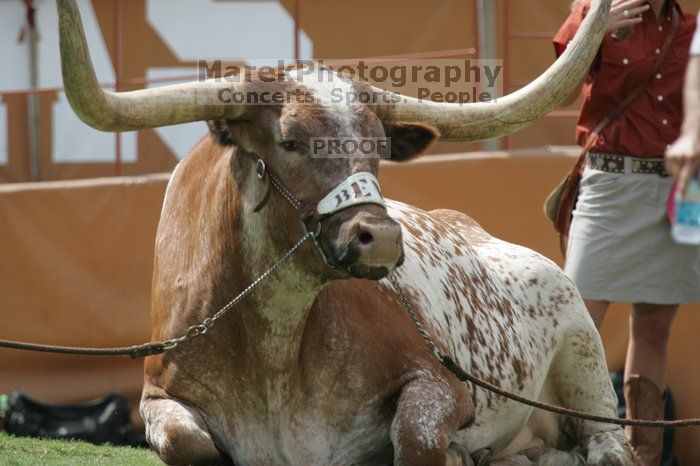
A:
x,y
366,237
372,247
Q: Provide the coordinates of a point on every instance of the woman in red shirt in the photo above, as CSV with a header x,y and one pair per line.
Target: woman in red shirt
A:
x,y
620,248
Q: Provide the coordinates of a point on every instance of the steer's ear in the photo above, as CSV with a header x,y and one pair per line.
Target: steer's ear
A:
x,y
408,140
221,132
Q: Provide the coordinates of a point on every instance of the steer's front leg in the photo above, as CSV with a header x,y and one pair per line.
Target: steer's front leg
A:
x,y
428,414
178,433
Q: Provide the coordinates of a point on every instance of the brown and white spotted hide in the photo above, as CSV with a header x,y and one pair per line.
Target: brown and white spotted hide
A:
x,y
312,369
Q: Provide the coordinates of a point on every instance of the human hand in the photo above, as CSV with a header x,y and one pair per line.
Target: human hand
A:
x,y
683,158
625,14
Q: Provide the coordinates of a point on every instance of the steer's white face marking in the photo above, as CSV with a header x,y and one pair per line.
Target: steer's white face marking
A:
x,y
336,94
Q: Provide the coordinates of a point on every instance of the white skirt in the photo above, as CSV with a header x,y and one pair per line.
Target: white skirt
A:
x,y
620,247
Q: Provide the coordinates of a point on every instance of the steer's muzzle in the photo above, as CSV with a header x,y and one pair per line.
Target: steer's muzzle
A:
x,y
365,242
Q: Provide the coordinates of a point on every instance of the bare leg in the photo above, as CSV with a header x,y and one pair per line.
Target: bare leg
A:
x,y
650,326
597,310
645,376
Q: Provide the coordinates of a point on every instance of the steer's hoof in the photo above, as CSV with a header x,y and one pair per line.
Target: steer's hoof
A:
x,y
458,456
482,457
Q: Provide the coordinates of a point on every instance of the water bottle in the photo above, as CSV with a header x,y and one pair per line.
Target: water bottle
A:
x,y
686,225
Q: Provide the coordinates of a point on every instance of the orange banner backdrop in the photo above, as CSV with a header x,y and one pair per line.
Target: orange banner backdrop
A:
x,y
155,44
76,259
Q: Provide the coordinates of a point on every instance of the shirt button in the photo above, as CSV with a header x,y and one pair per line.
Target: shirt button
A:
x,y
661,28
658,75
626,61
657,51
664,121
660,98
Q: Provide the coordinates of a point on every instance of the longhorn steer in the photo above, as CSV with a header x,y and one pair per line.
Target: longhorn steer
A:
x,y
315,370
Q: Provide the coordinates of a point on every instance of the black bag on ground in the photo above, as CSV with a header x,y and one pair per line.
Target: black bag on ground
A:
x,y
106,420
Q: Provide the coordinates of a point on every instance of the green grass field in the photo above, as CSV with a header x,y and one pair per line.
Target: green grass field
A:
x,y
18,451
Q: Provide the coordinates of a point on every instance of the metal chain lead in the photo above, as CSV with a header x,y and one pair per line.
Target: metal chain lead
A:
x,y
200,329
194,331
414,317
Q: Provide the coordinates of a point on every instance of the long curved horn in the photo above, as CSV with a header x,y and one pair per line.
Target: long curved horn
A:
x,y
129,111
183,103
478,121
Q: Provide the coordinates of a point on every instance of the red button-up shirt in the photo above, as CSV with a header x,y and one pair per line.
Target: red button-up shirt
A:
x,y
654,119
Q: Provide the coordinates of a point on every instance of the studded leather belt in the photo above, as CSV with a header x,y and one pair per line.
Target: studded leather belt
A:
x,y
622,164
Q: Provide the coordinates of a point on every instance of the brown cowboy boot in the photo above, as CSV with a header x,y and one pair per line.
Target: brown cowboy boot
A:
x,y
644,401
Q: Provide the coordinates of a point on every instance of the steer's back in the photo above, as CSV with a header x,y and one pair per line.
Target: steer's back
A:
x,y
502,310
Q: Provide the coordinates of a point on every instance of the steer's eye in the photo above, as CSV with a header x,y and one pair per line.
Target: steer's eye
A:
x,y
290,145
